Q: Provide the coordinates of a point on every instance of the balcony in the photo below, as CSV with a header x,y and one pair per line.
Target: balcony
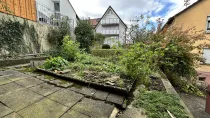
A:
x,y
112,21
110,32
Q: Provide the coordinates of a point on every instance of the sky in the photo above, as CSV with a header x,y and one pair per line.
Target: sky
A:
x,y
129,9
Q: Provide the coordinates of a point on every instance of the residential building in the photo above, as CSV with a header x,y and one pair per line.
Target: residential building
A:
x,y
53,11
94,22
197,15
112,26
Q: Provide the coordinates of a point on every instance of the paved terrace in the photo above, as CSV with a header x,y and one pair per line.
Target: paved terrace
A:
x,y
25,96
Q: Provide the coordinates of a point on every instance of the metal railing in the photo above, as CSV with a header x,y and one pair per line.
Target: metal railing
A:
x,y
110,21
110,32
47,15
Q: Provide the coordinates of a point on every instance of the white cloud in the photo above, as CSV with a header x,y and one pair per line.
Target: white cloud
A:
x,y
127,9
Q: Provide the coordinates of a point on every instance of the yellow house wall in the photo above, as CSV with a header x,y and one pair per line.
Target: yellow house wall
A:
x,y
195,16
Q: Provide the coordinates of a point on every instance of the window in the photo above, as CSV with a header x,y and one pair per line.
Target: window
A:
x,y
208,24
57,6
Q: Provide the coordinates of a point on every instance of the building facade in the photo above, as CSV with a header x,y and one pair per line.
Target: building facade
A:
x,y
197,15
52,12
112,26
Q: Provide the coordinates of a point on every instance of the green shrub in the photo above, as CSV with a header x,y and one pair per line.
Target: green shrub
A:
x,y
106,52
84,35
56,63
106,46
56,35
157,103
138,61
70,49
99,38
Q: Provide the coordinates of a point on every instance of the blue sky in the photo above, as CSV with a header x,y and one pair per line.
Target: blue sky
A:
x,y
128,9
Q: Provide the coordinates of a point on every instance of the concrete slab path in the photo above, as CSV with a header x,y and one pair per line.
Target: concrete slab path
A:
x,y
25,96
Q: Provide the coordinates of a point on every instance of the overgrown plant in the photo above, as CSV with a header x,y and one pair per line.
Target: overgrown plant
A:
x,y
84,35
175,48
70,49
11,37
56,63
159,104
99,38
57,34
139,62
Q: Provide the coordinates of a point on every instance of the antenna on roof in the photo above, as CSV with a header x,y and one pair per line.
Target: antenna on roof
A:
x,y
186,3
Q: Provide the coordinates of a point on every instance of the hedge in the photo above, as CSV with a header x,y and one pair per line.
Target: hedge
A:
x,y
106,52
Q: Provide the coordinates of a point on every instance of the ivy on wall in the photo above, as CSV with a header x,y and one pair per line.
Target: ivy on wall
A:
x,y
11,36
12,41
33,35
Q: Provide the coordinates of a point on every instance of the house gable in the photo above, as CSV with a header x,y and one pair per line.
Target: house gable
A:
x,y
110,13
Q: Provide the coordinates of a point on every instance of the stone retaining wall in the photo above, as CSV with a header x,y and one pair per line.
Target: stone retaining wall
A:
x,y
5,63
41,29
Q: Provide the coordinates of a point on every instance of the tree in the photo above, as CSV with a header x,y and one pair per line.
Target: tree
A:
x,y
186,3
99,38
84,35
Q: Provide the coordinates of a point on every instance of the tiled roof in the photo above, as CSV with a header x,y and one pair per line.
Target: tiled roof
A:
x,y
94,22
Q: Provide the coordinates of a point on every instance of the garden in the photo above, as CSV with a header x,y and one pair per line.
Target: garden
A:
x,y
153,55
128,67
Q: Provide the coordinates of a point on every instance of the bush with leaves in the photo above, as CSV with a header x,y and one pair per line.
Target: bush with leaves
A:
x,y
175,47
56,63
106,46
84,35
99,38
70,49
56,35
139,62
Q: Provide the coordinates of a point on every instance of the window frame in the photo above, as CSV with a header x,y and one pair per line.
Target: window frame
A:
x,y
208,24
57,2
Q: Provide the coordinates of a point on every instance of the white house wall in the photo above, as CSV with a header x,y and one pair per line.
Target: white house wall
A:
x,y
122,30
67,10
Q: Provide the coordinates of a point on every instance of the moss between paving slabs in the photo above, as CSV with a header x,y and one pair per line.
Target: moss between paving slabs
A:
x,y
157,103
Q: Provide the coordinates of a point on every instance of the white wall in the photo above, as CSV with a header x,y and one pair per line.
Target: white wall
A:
x,y
122,30
67,10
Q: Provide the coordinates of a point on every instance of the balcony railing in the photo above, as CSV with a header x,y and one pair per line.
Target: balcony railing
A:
x,y
110,21
110,32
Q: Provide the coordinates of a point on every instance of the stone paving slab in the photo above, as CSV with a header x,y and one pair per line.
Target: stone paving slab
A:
x,y
101,95
20,99
66,97
9,72
4,80
45,108
74,114
4,110
117,99
13,115
29,82
94,108
6,88
45,89
84,90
